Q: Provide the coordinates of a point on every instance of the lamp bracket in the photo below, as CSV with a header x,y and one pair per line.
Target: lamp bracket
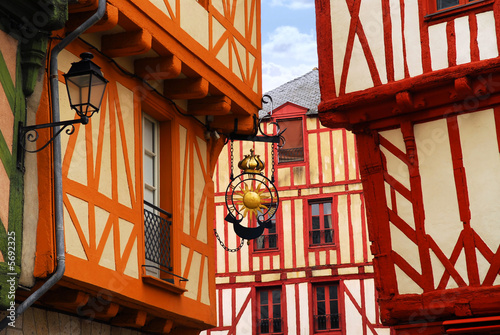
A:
x,y
30,133
278,138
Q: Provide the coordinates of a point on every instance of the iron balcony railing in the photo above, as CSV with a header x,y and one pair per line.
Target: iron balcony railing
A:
x,y
270,326
326,321
157,236
290,155
324,236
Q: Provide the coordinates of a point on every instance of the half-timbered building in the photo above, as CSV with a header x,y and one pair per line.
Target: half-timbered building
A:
x,y
311,272
117,221
417,82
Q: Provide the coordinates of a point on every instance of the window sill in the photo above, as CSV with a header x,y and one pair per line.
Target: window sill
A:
x,y
323,246
456,10
270,250
162,284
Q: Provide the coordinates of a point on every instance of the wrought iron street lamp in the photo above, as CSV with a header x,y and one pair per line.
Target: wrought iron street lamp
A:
x,y
86,85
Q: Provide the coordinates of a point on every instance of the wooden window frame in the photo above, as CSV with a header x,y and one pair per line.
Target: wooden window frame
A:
x,y
328,312
322,230
271,310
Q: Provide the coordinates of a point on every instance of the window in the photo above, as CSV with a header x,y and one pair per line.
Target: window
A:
x,y
441,4
156,221
269,239
269,311
150,159
321,223
437,5
326,307
293,149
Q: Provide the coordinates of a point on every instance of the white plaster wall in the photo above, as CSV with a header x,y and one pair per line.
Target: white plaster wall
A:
x,y
358,76
397,40
291,312
340,22
462,37
438,45
353,320
412,38
481,159
486,35
370,14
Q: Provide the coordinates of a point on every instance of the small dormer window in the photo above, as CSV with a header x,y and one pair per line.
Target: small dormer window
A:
x,y
293,149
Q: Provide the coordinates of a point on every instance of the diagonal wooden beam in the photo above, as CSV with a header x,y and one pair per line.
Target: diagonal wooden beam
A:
x,y
159,68
213,105
188,88
127,43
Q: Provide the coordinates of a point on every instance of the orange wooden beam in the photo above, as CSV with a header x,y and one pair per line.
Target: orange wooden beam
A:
x,y
190,88
213,105
127,44
159,68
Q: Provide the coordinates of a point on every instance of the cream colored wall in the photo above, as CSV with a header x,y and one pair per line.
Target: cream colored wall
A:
x,y
209,30
479,148
406,39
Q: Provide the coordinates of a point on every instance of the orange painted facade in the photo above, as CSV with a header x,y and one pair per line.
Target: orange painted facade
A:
x,y
192,67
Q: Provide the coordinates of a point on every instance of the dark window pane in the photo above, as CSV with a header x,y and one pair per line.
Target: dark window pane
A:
x,y
328,221
277,325
446,3
321,322
321,308
264,312
334,306
328,236
264,326
316,237
277,311
320,293
272,241
315,222
333,292
276,296
263,298
272,230
334,321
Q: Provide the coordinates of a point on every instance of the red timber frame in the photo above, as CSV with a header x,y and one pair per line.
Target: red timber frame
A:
x,y
440,94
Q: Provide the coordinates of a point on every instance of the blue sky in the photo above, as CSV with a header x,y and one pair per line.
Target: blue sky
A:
x,y
288,41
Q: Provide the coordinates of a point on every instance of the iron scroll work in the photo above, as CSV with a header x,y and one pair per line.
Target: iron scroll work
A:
x,y
251,194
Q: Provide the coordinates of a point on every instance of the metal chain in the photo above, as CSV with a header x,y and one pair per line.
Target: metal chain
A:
x,y
232,160
272,162
224,246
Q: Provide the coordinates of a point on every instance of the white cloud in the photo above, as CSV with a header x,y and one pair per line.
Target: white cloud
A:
x,y
286,55
274,75
288,45
293,4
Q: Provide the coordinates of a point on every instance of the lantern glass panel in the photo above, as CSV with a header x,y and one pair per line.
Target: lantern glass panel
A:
x,y
85,93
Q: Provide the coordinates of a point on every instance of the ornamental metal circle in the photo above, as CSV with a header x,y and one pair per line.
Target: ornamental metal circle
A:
x,y
251,196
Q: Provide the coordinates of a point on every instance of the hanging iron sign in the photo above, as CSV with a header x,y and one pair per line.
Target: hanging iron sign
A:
x,y
253,196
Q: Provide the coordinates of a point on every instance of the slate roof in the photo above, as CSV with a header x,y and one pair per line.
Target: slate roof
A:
x,y
302,91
